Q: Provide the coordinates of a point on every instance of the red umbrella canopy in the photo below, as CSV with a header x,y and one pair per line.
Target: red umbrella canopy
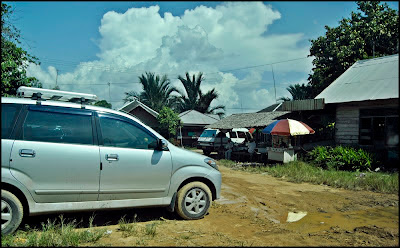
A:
x,y
252,130
288,127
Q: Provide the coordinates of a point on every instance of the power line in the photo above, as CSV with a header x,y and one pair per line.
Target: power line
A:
x,y
119,70
249,67
225,107
86,85
242,83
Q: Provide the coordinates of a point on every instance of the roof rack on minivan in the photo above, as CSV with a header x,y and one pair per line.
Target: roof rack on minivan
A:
x,y
55,95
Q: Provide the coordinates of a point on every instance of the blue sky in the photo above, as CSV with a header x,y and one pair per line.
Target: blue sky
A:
x,y
86,41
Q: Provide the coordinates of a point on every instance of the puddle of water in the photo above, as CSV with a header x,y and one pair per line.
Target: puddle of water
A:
x,y
387,217
293,217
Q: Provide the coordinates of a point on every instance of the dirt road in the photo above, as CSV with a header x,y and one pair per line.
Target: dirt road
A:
x,y
254,210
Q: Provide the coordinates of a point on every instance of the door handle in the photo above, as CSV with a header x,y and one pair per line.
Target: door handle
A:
x,y
27,153
112,157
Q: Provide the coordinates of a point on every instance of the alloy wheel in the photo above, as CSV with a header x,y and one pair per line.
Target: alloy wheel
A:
x,y
6,214
195,201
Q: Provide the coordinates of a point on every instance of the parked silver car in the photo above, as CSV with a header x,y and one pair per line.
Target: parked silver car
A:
x,y
63,156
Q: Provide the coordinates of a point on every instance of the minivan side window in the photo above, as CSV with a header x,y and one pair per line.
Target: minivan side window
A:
x,y
58,127
119,133
9,113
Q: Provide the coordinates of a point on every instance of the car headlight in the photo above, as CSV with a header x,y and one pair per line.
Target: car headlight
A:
x,y
211,163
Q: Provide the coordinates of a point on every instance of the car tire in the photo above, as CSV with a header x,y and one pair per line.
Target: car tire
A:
x,y
206,152
193,201
11,212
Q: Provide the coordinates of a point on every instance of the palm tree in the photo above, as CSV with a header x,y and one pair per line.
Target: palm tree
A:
x,y
156,92
298,92
193,97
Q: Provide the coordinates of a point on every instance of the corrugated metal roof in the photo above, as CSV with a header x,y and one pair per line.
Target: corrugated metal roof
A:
x,y
370,79
306,104
193,117
136,103
249,120
272,108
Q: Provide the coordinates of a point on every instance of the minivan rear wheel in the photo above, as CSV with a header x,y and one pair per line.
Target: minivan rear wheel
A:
x,y
11,212
193,201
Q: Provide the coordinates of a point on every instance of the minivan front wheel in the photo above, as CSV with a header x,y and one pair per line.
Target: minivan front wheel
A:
x,y
193,201
11,212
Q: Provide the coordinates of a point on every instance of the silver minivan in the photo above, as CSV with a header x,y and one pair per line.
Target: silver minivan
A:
x,y
59,156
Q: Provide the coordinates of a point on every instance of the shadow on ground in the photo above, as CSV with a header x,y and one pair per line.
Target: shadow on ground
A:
x,y
101,217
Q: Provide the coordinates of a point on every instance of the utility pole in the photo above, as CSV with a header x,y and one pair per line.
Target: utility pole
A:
x,y
109,92
56,87
56,76
273,77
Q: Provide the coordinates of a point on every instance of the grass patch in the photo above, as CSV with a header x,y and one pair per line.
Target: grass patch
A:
x,y
53,234
151,229
141,242
186,237
128,229
299,171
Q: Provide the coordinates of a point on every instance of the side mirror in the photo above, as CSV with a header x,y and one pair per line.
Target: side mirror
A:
x,y
162,145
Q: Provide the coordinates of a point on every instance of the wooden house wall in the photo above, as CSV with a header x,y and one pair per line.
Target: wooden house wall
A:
x,y
347,125
348,118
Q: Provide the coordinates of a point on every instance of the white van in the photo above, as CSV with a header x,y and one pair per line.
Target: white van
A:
x,y
209,142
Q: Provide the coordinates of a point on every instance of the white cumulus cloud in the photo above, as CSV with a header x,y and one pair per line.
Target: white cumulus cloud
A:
x,y
215,41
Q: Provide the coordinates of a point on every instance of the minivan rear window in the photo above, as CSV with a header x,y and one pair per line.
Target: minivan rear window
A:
x,y
9,113
208,133
58,128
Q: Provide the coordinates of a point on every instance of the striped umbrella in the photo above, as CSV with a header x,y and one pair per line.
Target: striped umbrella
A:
x,y
288,127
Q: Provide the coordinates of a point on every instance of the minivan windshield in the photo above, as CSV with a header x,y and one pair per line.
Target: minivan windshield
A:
x,y
208,133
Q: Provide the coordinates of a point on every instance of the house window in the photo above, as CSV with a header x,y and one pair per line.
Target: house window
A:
x,y
392,134
379,127
365,131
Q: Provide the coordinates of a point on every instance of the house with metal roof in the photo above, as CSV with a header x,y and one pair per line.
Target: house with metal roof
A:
x,y
141,111
366,98
365,103
193,123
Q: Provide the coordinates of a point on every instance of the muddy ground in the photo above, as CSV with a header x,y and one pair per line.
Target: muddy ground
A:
x,y
254,211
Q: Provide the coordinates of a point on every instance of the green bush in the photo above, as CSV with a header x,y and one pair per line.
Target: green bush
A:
x,y
341,158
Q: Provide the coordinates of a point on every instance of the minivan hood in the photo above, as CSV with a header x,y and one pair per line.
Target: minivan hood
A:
x,y
182,157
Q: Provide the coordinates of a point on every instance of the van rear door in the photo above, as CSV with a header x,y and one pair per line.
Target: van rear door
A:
x,y
56,156
9,115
